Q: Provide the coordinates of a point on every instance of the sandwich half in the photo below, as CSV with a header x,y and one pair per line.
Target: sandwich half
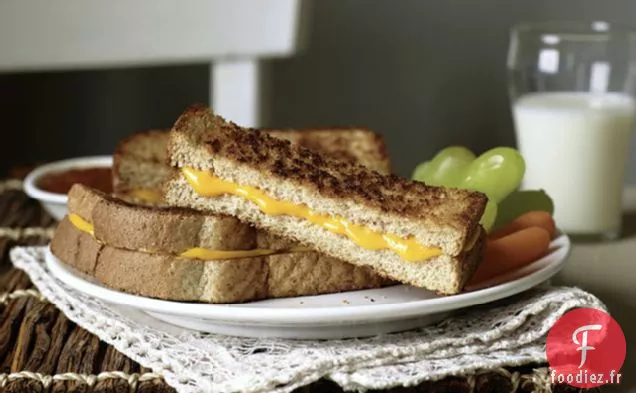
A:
x,y
425,236
183,255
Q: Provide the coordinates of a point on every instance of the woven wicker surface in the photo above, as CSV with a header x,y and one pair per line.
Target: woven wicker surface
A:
x,y
41,350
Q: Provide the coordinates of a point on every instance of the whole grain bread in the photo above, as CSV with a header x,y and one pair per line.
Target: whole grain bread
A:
x,y
437,217
135,249
168,277
171,230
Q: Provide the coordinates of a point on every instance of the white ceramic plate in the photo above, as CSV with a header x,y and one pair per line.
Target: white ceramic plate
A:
x,y
342,315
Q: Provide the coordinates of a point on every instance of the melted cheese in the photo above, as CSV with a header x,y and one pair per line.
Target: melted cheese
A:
x,y
198,252
81,224
206,184
207,254
146,194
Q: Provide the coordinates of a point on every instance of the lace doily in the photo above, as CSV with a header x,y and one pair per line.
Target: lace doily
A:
x,y
506,333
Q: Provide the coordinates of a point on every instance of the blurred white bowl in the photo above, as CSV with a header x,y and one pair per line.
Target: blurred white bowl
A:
x,y
54,203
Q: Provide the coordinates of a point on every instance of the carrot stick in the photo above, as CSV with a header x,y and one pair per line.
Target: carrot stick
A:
x,y
539,219
512,252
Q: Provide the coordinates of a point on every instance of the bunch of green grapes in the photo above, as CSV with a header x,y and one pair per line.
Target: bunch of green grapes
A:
x,y
496,173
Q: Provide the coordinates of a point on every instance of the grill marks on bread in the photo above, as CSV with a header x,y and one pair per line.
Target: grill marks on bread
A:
x,y
330,177
358,145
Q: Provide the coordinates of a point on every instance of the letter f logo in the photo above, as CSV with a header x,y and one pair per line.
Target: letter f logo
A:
x,y
584,347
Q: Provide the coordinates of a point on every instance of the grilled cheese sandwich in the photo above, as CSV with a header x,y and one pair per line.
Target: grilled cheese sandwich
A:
x,y
342,209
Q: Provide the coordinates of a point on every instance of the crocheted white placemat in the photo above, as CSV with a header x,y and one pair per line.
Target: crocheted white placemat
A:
x,y
503,334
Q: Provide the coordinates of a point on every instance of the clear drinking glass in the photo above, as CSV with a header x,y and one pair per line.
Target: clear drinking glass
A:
x,y
572,95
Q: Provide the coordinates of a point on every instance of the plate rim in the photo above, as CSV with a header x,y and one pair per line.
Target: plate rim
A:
x,y
243,313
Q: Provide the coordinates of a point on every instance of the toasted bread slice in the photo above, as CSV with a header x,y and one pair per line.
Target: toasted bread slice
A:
x,y
140,161
137,249
121,224
443,221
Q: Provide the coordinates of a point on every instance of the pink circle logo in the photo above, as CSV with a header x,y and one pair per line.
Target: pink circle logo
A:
x,y
586,348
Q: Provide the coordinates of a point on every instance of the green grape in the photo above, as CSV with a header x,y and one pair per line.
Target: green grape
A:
x,y
489,216
497,173
447,168
520,202
422,172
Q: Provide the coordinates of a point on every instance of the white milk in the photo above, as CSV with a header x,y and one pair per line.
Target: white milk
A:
x,y
575,146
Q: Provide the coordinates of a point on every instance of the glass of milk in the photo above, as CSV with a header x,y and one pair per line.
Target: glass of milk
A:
x,y
572,89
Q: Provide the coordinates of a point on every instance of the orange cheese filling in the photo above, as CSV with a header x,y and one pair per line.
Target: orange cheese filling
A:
x,y
146,194
206,184
81,224
197,252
